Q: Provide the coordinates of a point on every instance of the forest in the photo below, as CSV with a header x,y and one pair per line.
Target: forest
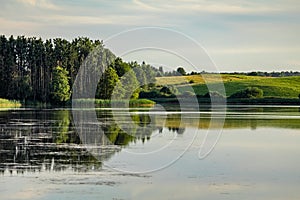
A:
x,y
33,70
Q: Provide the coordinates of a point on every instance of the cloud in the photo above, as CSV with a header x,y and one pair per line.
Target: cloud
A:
x,y
44,4
259,32
228,7
21,27
254,50
70,19
145,6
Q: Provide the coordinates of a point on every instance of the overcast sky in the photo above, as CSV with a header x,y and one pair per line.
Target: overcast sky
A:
x,y
238,35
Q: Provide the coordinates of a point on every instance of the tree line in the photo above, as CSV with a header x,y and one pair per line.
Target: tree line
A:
x,y
181,71
32,69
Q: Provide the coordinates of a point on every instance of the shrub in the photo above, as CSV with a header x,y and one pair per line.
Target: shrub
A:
x,y
150,94
171,90
187,94
181,71
249,92
214,94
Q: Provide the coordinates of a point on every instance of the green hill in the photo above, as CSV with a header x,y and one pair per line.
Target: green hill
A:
x,y
281,87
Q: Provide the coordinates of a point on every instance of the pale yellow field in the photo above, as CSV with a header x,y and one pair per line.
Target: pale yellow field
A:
x,y
205,78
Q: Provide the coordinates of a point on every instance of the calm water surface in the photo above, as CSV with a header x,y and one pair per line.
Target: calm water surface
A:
x,y
256,156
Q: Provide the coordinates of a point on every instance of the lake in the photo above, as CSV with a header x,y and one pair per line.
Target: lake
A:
x,y
247,152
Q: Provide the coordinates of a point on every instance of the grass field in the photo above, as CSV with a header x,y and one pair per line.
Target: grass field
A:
x,y
281,87
4,103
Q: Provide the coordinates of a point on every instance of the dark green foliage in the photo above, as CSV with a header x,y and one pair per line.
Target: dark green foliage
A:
x,y
181,71
150,73
249,92
150,94
27,69
169,90
107,84
26,65
121,67
23,89
165,90
160,72
126,80
268,74
141,76
131,85
117,136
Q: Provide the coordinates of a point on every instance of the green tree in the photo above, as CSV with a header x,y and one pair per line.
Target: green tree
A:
x,y
181,71
130,85
169,90
141,76
60,92
10,68
24,90
3,67
249,92
108,83
121,67
150,74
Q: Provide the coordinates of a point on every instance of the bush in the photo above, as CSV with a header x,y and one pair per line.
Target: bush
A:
x,y
187,94
170,90
249,92
181,71
150,94
214,94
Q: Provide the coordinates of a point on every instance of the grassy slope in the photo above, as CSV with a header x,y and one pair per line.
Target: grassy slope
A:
x,y
285,87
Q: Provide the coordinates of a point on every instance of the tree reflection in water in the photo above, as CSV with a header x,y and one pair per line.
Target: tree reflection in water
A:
x,y
46,140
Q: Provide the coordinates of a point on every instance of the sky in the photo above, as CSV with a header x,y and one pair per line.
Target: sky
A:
x,y
237,35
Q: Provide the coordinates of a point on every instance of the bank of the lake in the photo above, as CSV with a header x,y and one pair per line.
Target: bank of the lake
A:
x,y
5,103
107,103
238,101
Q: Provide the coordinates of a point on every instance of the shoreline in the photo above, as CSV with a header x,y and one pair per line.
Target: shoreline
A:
x,y
148,103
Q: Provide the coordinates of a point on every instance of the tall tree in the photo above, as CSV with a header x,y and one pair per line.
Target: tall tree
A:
x,y
60,92
3,66
121,67
150,74
181,71
108,83
141,76
130,85
10,68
